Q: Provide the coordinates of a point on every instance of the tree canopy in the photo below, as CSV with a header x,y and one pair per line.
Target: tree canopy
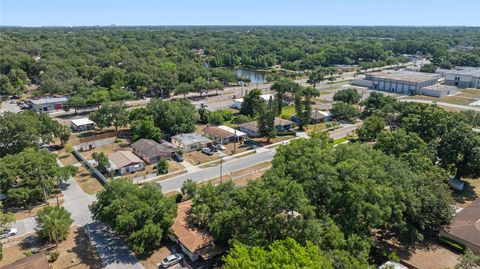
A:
x,y
141,214
173,117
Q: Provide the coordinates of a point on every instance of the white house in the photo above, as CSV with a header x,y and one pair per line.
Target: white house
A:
x,y
237,103
122,162
191,142
82,124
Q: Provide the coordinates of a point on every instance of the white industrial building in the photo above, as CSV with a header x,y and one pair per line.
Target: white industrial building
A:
x,y
404,82
461,76
48,104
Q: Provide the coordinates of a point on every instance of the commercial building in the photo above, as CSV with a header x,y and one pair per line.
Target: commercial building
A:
x,y
251,128
151,151
83,124
437,90
403,82
196,243
462,77
122,162
223,134
191,142
48,104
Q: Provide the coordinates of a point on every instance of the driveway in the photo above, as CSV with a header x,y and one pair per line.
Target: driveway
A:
x,y
6,106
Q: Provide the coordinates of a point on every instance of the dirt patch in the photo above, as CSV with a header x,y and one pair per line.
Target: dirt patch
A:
x,y
66,158
173,166
87,181
23,214
472,93
153,261
109,149
241,177
197,157
76,252
470,192
229,148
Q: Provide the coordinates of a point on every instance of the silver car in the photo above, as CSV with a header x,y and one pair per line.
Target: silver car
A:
x,y
171,260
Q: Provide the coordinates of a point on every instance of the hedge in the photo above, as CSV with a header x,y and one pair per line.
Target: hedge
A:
x,y
452,244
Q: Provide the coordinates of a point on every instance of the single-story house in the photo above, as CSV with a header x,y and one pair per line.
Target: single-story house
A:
x,y
195,243
320,115
48,104
191,142
122,162
152,151
82,124
465,228
237,103
223,134
251,128
37,261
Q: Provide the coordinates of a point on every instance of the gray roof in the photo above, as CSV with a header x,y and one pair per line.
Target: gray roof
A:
x,y
152,148
253,125
461,70
408,76
49,100
123,158
192,138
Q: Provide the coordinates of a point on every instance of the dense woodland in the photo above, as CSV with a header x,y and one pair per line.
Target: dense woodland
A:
x,y
110,64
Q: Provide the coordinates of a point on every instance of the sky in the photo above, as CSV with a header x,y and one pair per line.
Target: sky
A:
x,y
235,12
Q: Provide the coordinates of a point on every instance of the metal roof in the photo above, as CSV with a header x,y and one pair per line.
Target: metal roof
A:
x,y
191,138
408,76
82,121
49,100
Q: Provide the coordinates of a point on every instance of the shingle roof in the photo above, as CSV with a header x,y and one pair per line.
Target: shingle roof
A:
x,y
121,159
194,239
253,125
217,132
466,225
188,139
152,148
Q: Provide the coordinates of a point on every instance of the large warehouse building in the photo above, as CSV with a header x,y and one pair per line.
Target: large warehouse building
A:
x,y
405,82
462,77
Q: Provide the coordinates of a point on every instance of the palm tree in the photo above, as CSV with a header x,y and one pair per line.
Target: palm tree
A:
x,y
53,223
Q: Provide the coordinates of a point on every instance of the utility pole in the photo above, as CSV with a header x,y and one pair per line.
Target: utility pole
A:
x,y
221,172
316,117
235,141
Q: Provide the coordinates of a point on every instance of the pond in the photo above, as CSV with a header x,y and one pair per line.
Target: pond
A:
x,y
255,76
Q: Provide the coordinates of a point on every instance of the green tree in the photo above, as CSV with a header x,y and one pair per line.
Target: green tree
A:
x,y
53,223
63,133
102,160
469,260
173,117
162,167
344,112
145,129
4,219
189,189
377,101
282,86
31,176
348,96
184,88
6,87
142,215
371,128
251,103
317,76
110,114
428,68
266,120
281,254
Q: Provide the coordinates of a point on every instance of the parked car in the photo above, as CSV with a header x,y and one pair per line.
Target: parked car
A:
x,y
285,142
8,232
207,151
219,146
177,157
213,148
171,260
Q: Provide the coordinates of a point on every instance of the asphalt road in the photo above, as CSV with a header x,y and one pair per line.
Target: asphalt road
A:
x,y
175,183
262,155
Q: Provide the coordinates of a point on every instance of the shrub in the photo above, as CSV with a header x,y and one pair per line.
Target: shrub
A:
x,y
53,256
452,244
286,133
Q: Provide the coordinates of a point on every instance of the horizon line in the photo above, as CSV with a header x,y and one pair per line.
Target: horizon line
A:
x,y
234,25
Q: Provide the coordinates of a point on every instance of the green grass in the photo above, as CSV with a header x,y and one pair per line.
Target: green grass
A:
x,y
340,140
288,112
